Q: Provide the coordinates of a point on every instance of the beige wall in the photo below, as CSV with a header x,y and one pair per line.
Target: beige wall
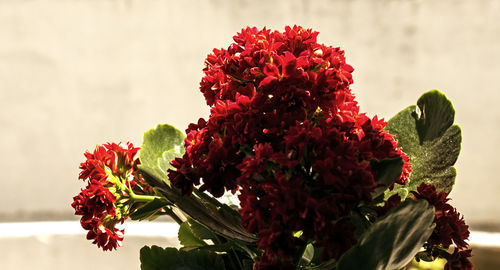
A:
x,y
74,74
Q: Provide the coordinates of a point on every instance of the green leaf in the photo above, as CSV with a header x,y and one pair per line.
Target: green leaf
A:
x,y
149,209
201,231
167,157
221,248
387,171
157,258
437,115
225,211
328,265
359,221
392,241
308,255
159,147
187,236
430,140
202,211
401,190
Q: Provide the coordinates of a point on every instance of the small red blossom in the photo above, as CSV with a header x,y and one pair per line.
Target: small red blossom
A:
x,y
94,201
103,237
97,202
111,155
450,226
459,260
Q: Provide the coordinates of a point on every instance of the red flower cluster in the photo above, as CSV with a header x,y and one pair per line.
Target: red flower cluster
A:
x,y
450,227
285,130
109,170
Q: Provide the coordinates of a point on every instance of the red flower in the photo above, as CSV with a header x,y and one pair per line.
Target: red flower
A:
x,y
450,226
97,202
459,260
284,128
111,155
103,237
94,201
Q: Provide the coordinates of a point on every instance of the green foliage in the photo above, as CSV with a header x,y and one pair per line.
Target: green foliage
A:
x,y
194,236
387,171
159,147
328,265
225,211
149,209
191,234
187,236
430,140
200,210
201,231
392,241
157,258
307,256
437,115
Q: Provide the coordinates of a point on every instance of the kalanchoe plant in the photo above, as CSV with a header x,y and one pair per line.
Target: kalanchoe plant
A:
x,y
320,184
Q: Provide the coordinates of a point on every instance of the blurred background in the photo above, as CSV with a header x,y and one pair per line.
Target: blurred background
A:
x,y
74,74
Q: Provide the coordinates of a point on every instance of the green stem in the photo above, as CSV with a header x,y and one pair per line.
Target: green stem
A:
x,y
171,213
141,198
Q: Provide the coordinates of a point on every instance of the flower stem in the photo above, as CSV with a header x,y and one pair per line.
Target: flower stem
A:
x,y
171,213
141,198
